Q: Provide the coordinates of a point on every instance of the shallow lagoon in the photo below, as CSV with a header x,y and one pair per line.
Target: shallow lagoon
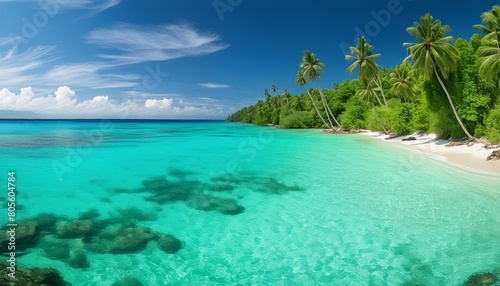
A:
x,y
253,205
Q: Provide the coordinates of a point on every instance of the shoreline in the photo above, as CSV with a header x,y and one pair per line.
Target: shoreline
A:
x,y
472,158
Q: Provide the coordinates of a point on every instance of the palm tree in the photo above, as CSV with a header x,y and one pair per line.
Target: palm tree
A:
x,y
268,100
403,83
297,103
301,81
287,95
489,52
434,55
312,68
267,95
367,91
273,88
365,60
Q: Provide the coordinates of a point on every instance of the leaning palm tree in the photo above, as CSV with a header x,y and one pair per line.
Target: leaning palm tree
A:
x,y
434,55
367,91
313,68
488,63
301,81
365,61
403,82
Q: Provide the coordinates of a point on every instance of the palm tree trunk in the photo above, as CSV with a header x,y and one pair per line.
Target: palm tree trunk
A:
x,y
317,110
330,111
326,111
452,105
379,84
378,117
327,108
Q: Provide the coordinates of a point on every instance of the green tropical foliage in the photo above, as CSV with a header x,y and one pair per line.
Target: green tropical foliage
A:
x,y
434,55
312,68
367,91
445,86
403,83
489,51
365,61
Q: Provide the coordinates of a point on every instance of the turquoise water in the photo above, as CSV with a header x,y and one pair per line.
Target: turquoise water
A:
x,y
319,209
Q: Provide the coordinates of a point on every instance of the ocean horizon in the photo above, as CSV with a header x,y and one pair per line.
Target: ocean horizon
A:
x,y
207,202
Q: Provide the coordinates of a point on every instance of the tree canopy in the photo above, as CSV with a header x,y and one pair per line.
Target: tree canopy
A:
x,y
446,86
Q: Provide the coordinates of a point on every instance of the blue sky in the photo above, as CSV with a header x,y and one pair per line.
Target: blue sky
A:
x,y
189,58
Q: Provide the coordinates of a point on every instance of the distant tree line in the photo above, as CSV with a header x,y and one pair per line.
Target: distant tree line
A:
x,y
450,87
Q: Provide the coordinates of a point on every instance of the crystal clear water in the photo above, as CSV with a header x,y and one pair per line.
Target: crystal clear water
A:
x,y
319,209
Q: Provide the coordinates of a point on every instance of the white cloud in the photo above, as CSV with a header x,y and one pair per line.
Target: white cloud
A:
x,y
65,97
213,85
160,104
154,43
64,103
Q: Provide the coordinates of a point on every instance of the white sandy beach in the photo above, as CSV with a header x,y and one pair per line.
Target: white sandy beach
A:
x,y
473,157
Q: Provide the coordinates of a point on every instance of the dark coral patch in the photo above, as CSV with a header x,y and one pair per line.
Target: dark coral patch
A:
x,y
169,243
119,238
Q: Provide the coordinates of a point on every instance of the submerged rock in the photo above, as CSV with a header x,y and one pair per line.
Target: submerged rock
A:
x,y
90,214
26,235
163,191
74,229
137,214
178,173
31,277
210,203
169,243
220,187
495,155
128,281
120,238
481,279
155,183
45,221
229,207
273,186
70,251
28,232
172,195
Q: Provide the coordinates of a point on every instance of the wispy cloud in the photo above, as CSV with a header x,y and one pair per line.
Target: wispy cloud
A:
x,y
20,67
213,85
102,5
90,75
208,99
96,6
154,43
30,68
